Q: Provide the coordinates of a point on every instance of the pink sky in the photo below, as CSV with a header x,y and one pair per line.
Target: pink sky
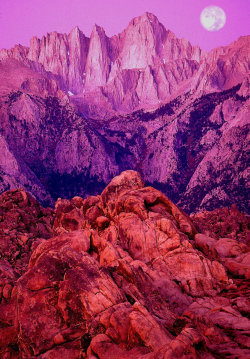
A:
x,y
22,19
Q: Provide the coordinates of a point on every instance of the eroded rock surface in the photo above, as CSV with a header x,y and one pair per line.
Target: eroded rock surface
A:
x,y
125,274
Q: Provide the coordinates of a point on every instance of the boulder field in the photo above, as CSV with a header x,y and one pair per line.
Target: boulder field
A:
x,y
122,275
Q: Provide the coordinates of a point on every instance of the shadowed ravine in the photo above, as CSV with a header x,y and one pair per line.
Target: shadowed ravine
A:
x,y
195,153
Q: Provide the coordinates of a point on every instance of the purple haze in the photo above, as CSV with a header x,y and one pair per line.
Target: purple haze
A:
x,y
22,19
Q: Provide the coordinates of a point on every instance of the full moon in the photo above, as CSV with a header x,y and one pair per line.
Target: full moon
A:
x,y
213,18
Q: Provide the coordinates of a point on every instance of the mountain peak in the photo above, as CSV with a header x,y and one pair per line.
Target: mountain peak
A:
x,y
98,30
75,33
75,30
147,16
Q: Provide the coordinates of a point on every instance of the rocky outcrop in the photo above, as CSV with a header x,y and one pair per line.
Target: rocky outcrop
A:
x,y
125,275
225,67
16,76
23,225
62,55
223,222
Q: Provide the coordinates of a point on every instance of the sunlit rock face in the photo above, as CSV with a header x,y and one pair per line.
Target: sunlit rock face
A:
x,y
124,274
62,55
144,65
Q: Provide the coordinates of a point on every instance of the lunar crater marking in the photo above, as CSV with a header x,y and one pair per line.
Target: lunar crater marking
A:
x,y
213,18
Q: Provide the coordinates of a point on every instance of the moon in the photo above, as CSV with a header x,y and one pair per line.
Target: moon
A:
x,y
213,18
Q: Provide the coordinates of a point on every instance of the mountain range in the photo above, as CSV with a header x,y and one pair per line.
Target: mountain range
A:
x,y
76,111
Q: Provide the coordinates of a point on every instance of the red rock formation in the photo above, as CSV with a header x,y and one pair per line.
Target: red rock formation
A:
x,y
224,222
24,224
126,275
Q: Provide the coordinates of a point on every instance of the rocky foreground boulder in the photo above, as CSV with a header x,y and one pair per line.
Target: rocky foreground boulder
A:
x,y
123,275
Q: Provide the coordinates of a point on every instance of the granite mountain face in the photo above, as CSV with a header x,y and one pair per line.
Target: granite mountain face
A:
x,y
76,111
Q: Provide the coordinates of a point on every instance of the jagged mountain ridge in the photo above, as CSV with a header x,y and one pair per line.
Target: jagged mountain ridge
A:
x,y
192,143
143,66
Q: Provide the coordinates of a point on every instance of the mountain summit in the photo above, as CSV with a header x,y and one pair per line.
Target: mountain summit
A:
x,y
143,66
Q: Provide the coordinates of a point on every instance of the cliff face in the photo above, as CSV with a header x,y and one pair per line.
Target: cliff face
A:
x,y
196,151
124,274
225,67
